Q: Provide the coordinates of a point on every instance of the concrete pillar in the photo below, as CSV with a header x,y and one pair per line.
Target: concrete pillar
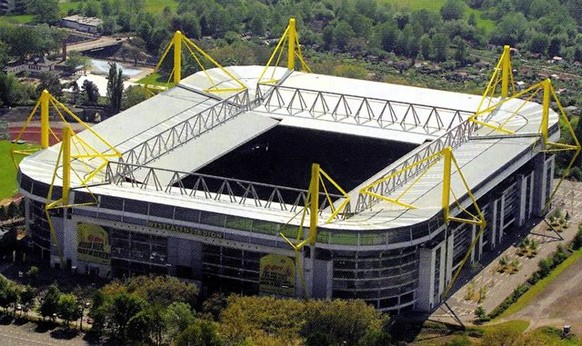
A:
x,y
540,182
426,276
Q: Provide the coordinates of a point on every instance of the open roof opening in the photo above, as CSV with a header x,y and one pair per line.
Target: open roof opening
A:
x,y
283,157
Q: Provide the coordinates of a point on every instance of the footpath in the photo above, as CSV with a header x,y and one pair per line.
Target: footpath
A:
x,y
497,286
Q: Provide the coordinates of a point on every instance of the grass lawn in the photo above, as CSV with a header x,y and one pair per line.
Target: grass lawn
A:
x,y
153,6
154,79
8,185
435,5
157,6
533,292
413,5
20,19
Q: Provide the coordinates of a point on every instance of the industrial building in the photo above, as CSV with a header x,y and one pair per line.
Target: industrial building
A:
x,y
218,186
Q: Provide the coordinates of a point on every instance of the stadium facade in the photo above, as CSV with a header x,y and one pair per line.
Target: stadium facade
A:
x,y
169,205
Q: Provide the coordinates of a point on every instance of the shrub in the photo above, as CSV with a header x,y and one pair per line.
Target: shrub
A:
x,y
577,241
512,298
481,314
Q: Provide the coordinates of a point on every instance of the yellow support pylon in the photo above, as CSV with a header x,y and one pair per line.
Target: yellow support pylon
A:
x,y
45,102
506,71
67,134
312,205
448,162
290,38
44,119
177,43
503,73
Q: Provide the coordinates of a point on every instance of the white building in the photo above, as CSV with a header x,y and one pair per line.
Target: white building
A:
x,y
80,23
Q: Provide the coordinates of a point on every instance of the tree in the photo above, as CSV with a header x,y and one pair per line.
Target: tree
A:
x,y
426,46
327,37
4,49
123,307
139,327
452,9
342,33
177,317
460,51
106,8
555,46
91,91
45,11
74,61
510,29
388,35
27,296
188,24
115,87
257,25
68,308
32,273
539,43
163,290
200,333
133,95
539,8
91,9
440,43
50,304
99,312
12,91
51,82
342,321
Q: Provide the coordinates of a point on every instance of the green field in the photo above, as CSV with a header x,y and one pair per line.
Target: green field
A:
x,y
8,185
21,19
435,5
157,6
153,6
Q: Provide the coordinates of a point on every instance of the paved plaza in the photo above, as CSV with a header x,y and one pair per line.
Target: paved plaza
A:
x,y
497,286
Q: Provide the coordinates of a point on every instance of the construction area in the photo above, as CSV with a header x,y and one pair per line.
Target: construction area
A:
x,y
276,180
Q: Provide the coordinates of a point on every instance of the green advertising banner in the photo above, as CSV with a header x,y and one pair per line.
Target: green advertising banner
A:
x,y
277,275
93,244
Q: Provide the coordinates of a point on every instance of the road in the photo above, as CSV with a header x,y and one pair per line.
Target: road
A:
x,y
101,42
558,304
28,334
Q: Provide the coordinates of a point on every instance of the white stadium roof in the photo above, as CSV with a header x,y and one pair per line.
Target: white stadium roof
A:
x,y
313,101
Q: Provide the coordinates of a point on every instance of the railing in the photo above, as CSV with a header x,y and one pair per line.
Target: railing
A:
x,y
360,110
187,129
216,188
452,138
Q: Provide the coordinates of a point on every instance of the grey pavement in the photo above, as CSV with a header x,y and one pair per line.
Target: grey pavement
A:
x,y
500,285
28,334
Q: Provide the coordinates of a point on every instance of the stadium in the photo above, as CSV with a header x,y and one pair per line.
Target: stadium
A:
x,y
269,180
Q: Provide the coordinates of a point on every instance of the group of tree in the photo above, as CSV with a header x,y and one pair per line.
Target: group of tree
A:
x,y
143,309
360,27
18,41
160,310
12,294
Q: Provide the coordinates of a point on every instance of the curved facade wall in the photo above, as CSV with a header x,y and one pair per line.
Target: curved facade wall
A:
x,y
394,270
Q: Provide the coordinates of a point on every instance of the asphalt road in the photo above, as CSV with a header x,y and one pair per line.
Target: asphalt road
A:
x,y
28,334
